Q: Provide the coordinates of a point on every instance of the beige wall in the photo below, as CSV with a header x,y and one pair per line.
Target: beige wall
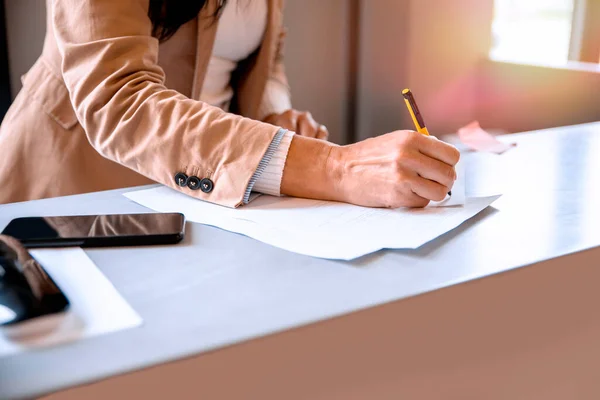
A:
x,y
316,60
26,27
383,67
447,41
519,98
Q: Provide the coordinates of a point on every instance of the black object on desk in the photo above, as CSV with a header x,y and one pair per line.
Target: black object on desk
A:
x,y
145,229
26,290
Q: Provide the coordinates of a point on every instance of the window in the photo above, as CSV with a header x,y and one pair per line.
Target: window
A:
x,y
532,31
546,31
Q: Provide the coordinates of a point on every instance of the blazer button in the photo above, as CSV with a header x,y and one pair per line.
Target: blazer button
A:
x,y
206,185
181,179
193,183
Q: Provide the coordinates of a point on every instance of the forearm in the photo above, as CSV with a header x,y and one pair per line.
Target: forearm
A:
x,y
313,170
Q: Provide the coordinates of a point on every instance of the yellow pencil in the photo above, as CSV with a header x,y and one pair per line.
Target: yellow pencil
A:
x,y
416,115
414,112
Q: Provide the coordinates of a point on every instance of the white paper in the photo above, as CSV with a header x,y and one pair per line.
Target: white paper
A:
x,y
318,228
96,307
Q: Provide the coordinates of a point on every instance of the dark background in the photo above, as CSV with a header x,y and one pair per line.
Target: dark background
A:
x,y
4,76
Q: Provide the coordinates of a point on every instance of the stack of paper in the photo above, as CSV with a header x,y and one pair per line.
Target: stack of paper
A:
x,y
322,228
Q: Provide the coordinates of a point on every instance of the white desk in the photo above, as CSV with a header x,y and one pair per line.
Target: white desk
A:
x,y
219,308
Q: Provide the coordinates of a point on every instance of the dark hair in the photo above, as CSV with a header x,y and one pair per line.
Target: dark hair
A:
x,y
168,16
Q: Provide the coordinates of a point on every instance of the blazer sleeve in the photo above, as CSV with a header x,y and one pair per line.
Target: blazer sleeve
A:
x,y
110,68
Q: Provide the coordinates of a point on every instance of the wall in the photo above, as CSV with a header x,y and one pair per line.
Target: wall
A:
x,y
26,25
383,68
519,98
5,98
316,60
447,41
434,48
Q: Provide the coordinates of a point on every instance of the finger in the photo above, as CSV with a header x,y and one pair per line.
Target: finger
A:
x,y
410,199
439,150
323,133
432,169
306,125
429,189
288,120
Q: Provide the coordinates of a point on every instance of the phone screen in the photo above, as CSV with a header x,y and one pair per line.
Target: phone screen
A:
x,y
98,229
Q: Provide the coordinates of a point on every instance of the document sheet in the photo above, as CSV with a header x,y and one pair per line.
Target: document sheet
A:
x,y
96,307
321,228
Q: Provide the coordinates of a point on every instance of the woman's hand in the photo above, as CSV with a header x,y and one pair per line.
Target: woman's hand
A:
x,y
400,169
302,123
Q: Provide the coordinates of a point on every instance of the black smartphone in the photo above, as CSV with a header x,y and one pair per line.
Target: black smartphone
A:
x,y
98,230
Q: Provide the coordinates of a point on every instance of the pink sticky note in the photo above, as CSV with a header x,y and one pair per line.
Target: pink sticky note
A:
x,y
479,140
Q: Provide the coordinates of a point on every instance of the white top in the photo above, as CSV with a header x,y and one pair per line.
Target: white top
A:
x,y
240,32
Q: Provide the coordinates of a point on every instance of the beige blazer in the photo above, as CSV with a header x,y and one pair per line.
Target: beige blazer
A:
x,y
97,110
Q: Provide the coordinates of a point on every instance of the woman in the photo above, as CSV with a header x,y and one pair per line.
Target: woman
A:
x,y
191,94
